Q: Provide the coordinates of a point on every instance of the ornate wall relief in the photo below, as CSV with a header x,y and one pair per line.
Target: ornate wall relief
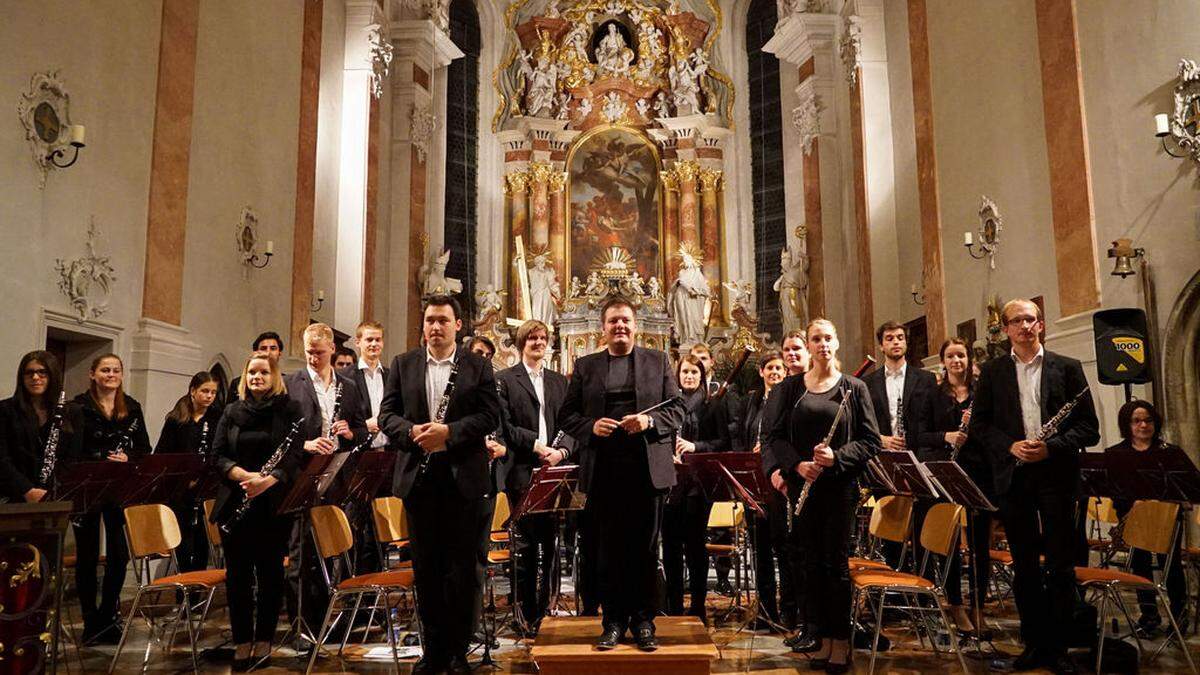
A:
x,y
87,280
45,113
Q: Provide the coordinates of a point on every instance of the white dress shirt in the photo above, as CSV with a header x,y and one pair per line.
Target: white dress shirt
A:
x,y
437,374
1029,382
894,381
538,377
326,395
374,379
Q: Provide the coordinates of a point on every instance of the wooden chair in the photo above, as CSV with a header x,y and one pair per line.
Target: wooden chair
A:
x,y
939,535
216,552
1150,526
499,557
153,534
334,538
730,516
392,537
891,520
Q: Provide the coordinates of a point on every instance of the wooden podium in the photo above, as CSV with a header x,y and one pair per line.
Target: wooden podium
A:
x,y
31,548
567,645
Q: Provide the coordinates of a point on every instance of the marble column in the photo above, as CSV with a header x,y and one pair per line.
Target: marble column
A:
x,y
669,184
306,175
710,234
539,206
516,190
688,171
558,224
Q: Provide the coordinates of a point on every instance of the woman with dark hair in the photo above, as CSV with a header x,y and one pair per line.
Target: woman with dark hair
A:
x,y
795,447
250,431
25,422
685,517
113,430
1141,424
948,411
190,427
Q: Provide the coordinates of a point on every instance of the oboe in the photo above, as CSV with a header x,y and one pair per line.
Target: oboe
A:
x,y
837,419
1051,426
439,417
267,467
50,452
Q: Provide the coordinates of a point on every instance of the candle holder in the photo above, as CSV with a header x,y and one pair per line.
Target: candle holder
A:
x,y
918,296
316,305
990,225
246,238
1182,126
59,152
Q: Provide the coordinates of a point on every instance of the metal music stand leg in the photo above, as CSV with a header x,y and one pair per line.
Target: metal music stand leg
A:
x,y
298,628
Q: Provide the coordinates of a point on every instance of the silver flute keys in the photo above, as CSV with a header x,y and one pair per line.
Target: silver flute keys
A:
x,y
1051,426
837,418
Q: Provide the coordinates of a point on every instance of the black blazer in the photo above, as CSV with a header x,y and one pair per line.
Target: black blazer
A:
x,y
745,425
521,409
654,383
185,436
996,421
919,386
360,384
22,443
473,413
300,390
102,435
861,443
228,453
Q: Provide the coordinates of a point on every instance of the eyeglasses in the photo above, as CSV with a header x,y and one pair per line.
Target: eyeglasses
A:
x,y
37,372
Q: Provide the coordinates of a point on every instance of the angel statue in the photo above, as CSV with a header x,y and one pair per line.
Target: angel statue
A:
x,y
740,293
636,285
688,298
544,291
434,280
792,286
491,299
595,285
543,83
653,289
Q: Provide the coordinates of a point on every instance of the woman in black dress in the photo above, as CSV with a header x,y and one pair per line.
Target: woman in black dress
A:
x,y
948,413
685,517
113,430
25,422
1141,432
807,408
250,431
190,427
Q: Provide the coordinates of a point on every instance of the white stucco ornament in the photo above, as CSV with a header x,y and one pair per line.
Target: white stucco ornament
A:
x,y
423,125
87,280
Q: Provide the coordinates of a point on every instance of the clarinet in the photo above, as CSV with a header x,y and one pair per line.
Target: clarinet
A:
x,y
837,418
898,420
955,448
440,415
50,452
267,467
558,438
337,407
126,441
1051,426
205,448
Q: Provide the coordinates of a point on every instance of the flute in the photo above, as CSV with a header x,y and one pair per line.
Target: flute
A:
x,y
837,419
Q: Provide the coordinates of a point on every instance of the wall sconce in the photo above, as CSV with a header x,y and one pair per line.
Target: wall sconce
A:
x,y
253,259
76,135
316,307
918,295
1125,253
246,238
1182,126
990,225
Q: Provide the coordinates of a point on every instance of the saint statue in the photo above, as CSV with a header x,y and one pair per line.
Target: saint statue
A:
x,y
434,279
792,286
654,289
612,55
544,290
688,298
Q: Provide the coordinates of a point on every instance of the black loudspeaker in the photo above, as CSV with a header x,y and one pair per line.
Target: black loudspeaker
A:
x,y
1122,346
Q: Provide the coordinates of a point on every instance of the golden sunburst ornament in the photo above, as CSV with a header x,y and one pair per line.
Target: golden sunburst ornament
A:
x,y
613,263
690,250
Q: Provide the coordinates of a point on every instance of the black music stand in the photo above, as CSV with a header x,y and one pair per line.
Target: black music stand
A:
x,y
89,485
157,479
1093,475
306,492
901,471
362,475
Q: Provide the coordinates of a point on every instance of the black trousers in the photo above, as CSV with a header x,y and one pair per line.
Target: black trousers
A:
x,y
447,530
684,526
254,574
626,512
587,562
771,547
1045,598
533,559
192,552
825,527
979,530
87,552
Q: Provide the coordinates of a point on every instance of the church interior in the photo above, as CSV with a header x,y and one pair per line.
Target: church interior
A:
x,y
180,176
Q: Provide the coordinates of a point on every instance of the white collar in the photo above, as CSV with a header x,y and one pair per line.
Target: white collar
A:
x,y
429,358
1037,358
534,373
362,365
898,372
312,375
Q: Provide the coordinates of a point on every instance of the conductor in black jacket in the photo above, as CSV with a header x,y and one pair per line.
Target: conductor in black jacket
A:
x,y
1036,480
626,465
447,500
532,397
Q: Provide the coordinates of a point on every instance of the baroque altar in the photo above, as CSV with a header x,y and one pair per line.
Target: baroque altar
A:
x,y
613,117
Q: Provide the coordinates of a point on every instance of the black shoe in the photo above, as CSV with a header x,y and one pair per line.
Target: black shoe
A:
x,y
459,664
428,666
1028,660
645,639
609,638
838,668
1062,664
800,636
805,644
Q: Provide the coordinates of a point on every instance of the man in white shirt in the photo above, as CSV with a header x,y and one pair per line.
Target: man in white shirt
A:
x,y
369,376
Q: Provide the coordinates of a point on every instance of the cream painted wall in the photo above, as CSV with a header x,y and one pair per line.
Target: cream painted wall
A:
x,y
107,53
329,156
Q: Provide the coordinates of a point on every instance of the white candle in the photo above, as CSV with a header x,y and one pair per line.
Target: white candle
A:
x,y
270,247
913,289
77,134
1162,124
321,295
968,239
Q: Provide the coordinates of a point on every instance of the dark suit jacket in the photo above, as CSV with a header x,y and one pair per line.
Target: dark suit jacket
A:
x,y
300,390
853,447
21,447
919,386
654,383
360,384
228,453
521,410
996,421
473,413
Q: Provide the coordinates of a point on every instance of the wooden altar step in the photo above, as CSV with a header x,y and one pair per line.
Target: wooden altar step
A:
x,y
567,645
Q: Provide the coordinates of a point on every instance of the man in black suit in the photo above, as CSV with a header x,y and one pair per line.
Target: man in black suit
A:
x,y
447,499
626,466
368,374
1036,480
315,388
532,396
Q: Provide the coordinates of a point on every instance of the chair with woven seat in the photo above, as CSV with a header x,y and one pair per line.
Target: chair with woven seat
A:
x,y
939,536
334,539
891,520
153,534
1150,526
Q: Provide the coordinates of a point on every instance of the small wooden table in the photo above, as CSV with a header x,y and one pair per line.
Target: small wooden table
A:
x,y
567,645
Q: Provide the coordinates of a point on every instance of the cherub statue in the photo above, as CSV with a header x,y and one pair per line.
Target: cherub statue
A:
x,y
491,299
741,293
595,285
636,285
661,106
654,289
434,279
575,290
